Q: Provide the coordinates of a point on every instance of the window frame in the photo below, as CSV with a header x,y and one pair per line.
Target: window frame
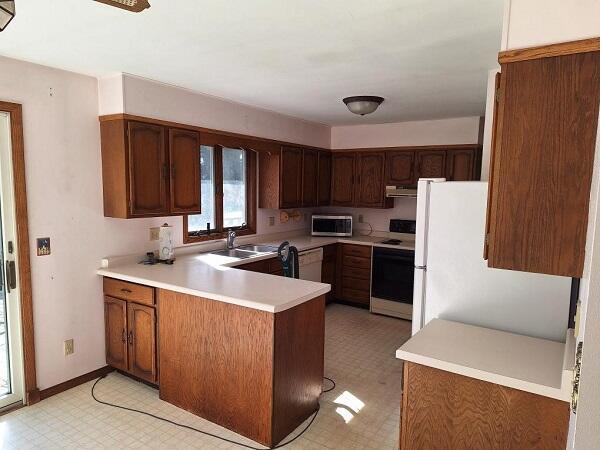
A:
x,y
219,231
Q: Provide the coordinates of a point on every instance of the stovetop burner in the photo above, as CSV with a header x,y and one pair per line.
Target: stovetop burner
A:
x,y
392,242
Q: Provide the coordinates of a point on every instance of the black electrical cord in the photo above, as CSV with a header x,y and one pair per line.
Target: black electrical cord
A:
x,y
206,433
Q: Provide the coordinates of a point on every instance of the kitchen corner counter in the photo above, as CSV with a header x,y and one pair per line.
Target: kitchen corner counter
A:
x,y
212,277
528,364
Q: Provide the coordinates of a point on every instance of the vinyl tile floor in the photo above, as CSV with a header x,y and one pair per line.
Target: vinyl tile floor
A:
x,y
362,412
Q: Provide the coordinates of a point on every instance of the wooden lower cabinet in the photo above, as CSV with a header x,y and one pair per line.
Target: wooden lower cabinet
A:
x,y
354,274
442,410
130,331
115,322
328,269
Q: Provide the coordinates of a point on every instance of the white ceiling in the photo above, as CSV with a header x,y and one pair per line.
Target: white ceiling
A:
x,y
428,58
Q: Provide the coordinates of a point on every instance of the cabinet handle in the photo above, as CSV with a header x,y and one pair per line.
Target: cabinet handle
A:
x,y
128,291
130,338
124,336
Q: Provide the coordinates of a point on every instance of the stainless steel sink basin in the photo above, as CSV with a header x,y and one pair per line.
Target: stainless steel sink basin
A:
x,y
236,253
258,248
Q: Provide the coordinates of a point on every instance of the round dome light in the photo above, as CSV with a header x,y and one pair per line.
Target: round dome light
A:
x,y
363,104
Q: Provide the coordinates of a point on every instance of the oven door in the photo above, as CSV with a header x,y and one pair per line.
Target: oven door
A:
x,y
393,274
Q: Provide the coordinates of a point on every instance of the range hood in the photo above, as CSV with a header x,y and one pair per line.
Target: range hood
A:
x,y
399,191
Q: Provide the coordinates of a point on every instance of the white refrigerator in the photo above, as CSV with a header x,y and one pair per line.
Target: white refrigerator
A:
x,y
453,281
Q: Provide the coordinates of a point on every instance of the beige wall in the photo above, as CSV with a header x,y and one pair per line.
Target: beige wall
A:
x,y
462,130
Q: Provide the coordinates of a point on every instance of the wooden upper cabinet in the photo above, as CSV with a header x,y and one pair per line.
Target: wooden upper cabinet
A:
x,y
148,170
142,341
324,179
460,164
115,320
400,166
542,164
342,179
370,188
290,177
431,164
310,169
184,155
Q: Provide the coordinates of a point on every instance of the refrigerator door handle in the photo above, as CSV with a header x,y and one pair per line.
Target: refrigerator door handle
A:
x,y
421,267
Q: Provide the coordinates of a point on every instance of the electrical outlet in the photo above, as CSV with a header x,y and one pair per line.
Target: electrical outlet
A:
x,y
154,233
69,347
360,218
271,221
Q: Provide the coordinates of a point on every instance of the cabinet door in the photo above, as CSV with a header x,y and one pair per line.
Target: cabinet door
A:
x,y
310,165
543,161
148,171
400,168
370,189
115,327
142,341
431,164
290,174
324,191
184,155
460,165
342,179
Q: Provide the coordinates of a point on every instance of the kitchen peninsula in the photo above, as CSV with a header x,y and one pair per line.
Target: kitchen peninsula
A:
x,y
242,349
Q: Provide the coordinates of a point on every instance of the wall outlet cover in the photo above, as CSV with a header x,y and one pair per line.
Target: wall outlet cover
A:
x,y
271,221
43,246
154,233
69,347
360,218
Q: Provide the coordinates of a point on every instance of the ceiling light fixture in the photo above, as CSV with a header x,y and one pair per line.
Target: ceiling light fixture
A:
x,y
363,104
129,5
7,13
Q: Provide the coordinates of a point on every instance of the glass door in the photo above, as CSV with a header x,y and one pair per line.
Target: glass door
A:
x,y
11,353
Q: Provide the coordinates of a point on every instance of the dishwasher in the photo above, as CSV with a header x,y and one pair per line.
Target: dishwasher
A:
x,y
310,262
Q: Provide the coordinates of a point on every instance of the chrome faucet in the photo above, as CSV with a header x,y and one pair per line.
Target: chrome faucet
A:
x,y
230,239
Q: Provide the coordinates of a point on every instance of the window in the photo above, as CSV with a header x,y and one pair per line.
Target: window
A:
x,y
227,176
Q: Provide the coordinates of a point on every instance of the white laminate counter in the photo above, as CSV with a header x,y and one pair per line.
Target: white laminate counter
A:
x,y
214,277
529,364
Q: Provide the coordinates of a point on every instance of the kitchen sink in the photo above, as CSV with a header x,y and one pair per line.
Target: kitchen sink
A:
x,y
258,248
236,253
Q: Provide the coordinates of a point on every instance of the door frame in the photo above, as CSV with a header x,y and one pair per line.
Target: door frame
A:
x,y
15,111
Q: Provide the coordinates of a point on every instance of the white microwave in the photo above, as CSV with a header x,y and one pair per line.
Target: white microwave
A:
x,y
331,225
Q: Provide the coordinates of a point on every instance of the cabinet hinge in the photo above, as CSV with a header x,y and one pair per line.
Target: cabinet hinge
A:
x,y
576,375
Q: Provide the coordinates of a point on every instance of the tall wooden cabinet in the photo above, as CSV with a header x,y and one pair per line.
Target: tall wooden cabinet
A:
x,y
130,328
370,180
324,191
148,169
310,173
542,159
342,179
400,165
430,164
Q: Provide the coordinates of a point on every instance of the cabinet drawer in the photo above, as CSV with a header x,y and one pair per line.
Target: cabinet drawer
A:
x,y
355,283
357,262
353,295
129,291
363,251
354,272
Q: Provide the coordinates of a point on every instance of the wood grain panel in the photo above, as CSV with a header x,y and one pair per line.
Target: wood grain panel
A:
x,y
357,262
324,190
400,168
184,156
362,251
360,297
141,322
128,291
549,51
441,410
148,170
370,189
460,165
290,178
298,366
115,326
342,179
543,161
216,361
114,168
431,164
355,272
268,180
356,283
310,172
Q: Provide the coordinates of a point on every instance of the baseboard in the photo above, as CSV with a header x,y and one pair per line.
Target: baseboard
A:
x,y
69,384
32,397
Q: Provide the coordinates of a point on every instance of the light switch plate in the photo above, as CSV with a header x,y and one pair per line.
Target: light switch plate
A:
x,y
154,233
69,347
43,246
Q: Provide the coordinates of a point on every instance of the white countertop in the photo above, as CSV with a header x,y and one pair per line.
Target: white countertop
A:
x,y
214,277
529,364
